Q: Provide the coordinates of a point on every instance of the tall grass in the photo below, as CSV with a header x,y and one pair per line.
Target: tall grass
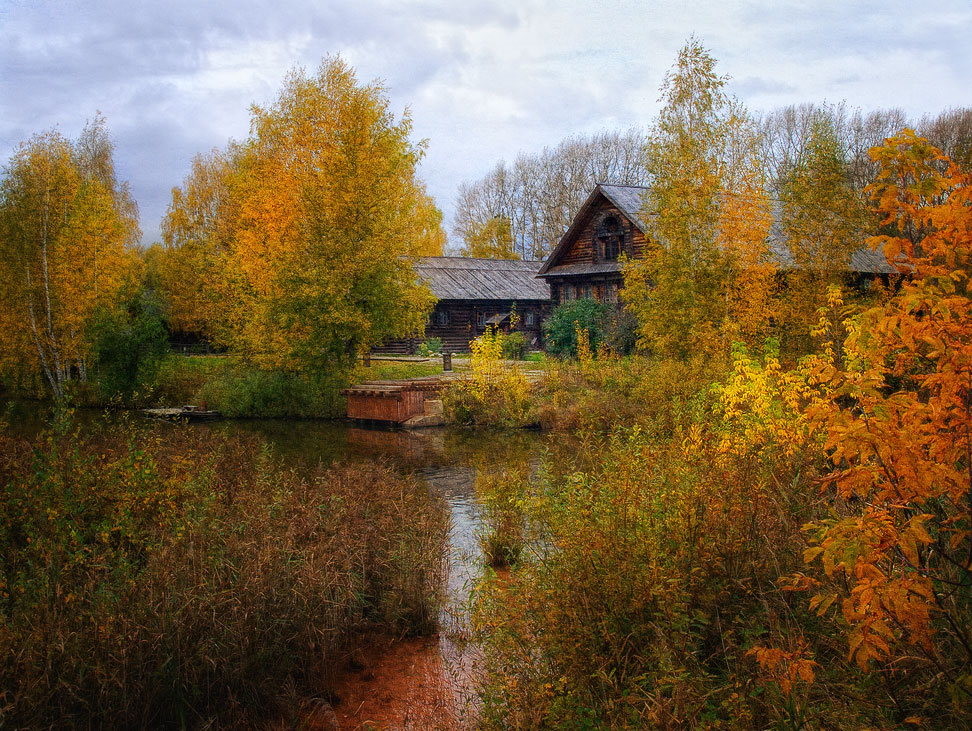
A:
x,y
653,588
150,580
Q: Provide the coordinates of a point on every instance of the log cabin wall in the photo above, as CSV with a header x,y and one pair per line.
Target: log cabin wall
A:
x,y
456,322
583,248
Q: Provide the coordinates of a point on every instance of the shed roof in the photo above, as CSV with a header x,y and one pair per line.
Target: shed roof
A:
x,y
465,278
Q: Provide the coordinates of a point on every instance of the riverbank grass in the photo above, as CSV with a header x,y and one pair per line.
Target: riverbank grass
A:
x,y
173,578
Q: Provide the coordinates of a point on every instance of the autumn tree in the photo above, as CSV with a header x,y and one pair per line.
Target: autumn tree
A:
x,y
745,220
300,234
823,219
66,225
490,240
677,291
897,552
196,234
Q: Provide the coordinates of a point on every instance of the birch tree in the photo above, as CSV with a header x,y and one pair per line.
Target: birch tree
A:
x,y
65,227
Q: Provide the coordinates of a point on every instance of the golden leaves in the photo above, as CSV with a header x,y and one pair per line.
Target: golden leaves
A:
x,y
64,228
300,233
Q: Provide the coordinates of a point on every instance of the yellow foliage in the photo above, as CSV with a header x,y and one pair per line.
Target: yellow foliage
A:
x,y
299,236
64,230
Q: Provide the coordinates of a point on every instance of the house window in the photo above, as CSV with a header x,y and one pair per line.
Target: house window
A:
x,y
587,291
481,319
610,238
441,318
568,292
529,318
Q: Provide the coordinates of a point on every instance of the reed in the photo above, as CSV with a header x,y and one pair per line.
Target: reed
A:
x,y
150,580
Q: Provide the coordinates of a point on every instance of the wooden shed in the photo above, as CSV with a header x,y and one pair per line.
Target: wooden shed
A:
x,y
475,293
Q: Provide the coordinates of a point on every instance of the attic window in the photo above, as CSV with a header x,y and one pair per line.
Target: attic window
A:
x,y
610,238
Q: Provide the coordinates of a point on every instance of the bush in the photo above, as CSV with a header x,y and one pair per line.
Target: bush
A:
x,y
494,393
560,329
129,346
503,532
432,346
514,345
170,579
246,391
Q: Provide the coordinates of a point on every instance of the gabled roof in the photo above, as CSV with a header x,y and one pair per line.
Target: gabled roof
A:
x,y
629,200
465,278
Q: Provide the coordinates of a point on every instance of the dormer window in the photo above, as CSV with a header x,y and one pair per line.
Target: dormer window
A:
x,y
610,238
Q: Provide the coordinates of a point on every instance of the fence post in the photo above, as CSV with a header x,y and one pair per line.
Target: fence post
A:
x,y
446,361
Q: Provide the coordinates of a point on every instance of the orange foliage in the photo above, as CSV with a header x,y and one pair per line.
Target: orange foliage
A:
x,y
291,247
899,428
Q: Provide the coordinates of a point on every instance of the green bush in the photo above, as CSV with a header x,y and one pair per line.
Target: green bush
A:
x,y
129,346
246,391
560,329
514,345
432,346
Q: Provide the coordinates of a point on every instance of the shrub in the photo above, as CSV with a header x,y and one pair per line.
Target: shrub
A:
x,y
247,391
560,329
129,346
493,394
432,346
501,494
186,580
514,345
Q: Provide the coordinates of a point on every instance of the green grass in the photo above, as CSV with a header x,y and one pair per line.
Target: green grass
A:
x,y
392,370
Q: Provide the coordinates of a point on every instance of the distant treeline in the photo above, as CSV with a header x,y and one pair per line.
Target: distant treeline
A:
x,y
533,200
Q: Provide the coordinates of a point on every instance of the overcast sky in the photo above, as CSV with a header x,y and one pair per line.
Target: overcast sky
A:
x,y
483,79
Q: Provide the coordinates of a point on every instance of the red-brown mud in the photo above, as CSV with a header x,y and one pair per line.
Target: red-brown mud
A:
x,y
405,684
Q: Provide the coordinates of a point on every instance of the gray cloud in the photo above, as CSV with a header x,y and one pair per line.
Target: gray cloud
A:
x,y
484,80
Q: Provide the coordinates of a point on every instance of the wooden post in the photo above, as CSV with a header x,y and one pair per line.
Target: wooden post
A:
x,y
366,359
446,361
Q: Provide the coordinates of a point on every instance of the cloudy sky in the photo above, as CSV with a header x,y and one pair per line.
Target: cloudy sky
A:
x,y
484,79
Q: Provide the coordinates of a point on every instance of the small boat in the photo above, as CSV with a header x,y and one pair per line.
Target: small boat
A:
x,y
187,412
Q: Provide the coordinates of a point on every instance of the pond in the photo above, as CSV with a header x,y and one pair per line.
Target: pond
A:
x,y
413,683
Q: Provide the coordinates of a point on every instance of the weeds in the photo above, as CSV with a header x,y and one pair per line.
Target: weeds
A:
x,y
150,581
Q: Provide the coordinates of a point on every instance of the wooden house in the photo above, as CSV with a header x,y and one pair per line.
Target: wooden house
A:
x,y
585,261
475,293
610,222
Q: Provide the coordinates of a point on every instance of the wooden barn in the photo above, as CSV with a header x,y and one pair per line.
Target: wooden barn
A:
x,y
585,261
475,293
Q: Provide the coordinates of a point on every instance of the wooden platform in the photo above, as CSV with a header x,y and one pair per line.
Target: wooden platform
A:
x,y
189,413
396,402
